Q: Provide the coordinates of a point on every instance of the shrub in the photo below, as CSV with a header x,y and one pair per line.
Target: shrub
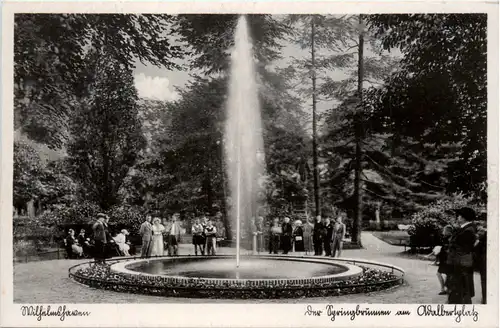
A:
x,y
428,223
127,216
372,225
24,247
76,213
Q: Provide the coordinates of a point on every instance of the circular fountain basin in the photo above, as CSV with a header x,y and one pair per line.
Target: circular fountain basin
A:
x,y
256,271
267,276
248,269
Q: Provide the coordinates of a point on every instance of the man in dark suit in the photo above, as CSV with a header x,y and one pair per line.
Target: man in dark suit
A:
x,y
460,258
480,259
328,238
100,238
287,235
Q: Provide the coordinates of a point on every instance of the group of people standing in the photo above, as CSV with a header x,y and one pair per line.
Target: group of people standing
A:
x,y
159,235
207,234
322,235
463,251
328,236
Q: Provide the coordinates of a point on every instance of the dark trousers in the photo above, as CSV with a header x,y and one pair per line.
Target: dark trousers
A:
x,y
461,286
146,248
318,246
328,247
99,251
287,244
173,246
483,285
274,243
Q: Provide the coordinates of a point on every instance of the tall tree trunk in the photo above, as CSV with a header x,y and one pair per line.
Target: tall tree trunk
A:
x,y
314,124
358,197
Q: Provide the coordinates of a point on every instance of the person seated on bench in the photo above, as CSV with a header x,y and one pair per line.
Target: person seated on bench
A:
x,y
121,241
72,246
84,242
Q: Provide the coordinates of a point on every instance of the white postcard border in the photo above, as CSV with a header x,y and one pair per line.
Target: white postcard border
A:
x,y
239,314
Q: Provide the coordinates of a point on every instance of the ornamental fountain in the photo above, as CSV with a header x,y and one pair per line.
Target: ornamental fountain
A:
x,y
228,276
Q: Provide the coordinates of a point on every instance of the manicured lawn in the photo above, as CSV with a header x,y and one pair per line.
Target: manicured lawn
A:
x,y
393,237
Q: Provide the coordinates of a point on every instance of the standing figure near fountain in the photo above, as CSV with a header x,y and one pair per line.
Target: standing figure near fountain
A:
x,y
165,233
274,237
338,236
260,234
211,235
99,230
146,235
328,237
157,241
308,236
204,223
221,231
197,231
318,235
174,235
287,235
298,236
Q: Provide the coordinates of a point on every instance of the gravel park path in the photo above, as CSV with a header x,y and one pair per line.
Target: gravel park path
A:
x,y
48,282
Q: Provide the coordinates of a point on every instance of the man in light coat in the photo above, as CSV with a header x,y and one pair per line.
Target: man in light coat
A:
x,y
146,232
174,234
338,236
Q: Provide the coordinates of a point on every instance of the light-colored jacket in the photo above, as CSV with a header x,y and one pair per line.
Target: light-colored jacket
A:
x,y
146,231
168,229
338,231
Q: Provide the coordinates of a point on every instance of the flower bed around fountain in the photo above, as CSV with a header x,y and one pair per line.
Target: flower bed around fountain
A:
x,y
371,277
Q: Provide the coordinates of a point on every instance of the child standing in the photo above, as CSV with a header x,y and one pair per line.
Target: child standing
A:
x,y
211,235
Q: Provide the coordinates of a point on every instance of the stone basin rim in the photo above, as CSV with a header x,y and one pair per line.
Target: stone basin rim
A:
x,y
351,272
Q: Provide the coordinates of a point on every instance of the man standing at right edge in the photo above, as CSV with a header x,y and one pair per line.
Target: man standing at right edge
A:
x,y
460,258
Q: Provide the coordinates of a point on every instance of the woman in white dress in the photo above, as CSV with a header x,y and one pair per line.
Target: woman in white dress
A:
x,y
121,241
157,242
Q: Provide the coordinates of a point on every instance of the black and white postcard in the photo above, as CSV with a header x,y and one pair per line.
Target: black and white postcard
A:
x,y
249,164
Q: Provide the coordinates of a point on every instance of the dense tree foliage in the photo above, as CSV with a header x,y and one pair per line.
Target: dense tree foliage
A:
x,y
28,168
50,71
212,36
419,121
106,132
439,94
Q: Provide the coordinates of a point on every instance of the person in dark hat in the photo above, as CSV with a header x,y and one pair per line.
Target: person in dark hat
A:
x,y
480,258
100,238
84,241
460,258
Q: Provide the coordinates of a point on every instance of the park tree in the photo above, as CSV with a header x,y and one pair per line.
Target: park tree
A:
x,y
106,131
266,32
50,62
334,69
439,95
57,185
211,37
27,170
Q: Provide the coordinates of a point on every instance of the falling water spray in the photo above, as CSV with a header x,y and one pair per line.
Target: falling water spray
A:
x,y
243,133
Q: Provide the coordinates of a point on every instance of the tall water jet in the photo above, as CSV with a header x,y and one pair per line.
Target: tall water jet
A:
x,y
243,133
